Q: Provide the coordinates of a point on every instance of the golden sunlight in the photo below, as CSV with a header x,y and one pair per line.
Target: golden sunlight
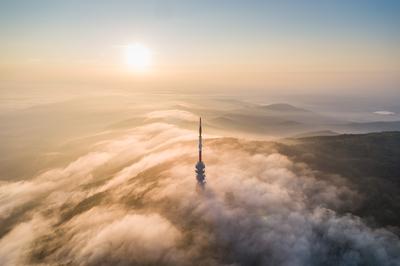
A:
x,y
138,57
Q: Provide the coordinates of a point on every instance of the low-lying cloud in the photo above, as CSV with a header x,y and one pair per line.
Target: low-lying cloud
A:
x,y
384,113
173,114
133,201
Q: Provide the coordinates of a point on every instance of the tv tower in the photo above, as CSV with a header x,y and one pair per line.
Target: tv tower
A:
x,y
200,166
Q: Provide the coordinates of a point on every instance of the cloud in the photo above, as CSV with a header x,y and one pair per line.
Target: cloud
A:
x,y
16,245
16,194
108,236
173,114
384,113
133,200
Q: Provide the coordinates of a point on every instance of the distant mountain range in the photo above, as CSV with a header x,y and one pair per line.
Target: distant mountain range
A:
x,y
283,107
278,120
316,133
287,120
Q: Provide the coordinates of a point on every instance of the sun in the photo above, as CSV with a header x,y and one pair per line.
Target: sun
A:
x,y
138,57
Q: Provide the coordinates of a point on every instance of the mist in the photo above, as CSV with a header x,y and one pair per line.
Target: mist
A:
x,y
130,198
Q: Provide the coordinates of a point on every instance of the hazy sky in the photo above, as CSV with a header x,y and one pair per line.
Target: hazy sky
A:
x,y
297,45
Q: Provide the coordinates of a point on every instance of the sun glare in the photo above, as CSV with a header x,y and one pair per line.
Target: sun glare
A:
x,y
138,57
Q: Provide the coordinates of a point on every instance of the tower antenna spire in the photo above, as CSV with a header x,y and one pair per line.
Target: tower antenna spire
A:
x,y
200,166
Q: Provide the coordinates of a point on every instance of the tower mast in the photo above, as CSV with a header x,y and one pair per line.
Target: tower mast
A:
x,y
200,142
200,166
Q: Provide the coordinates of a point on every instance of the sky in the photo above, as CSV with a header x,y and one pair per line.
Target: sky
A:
x,y
295,46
